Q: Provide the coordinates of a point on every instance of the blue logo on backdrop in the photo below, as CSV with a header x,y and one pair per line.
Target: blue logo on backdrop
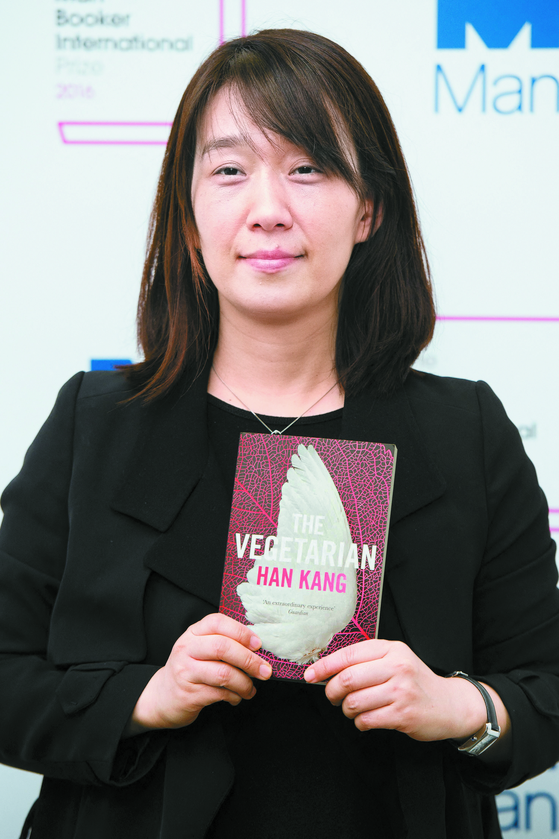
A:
x,y
529,812
108,363
497,22
481,87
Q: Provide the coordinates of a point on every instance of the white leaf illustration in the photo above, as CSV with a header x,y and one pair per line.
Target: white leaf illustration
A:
x,y
302,634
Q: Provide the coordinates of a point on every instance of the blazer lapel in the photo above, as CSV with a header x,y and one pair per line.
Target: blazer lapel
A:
x,y
172,463
390,420
168,458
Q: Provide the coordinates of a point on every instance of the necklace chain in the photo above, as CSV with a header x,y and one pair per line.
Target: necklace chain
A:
x,y
238,398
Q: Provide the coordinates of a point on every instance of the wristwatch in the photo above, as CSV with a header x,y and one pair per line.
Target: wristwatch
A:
x,y
488,733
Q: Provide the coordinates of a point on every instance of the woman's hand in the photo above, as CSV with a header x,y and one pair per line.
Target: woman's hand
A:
x,y
213,661
383,684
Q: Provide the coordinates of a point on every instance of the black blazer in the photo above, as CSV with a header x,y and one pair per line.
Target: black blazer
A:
x,y
107,554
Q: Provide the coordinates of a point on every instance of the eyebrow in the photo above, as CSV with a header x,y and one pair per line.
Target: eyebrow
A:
x,y
229,142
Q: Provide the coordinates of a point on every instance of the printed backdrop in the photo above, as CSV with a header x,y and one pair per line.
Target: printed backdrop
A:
x,y
89,88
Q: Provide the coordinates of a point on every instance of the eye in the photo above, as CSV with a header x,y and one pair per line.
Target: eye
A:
x,y
231,171
307,169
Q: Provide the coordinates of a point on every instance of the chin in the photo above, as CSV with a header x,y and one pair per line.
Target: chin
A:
x,y
276,311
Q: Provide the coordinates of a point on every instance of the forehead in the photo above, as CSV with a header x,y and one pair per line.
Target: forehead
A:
x,y
226,123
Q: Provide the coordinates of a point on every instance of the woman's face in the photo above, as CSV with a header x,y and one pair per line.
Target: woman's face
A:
x,y
275,232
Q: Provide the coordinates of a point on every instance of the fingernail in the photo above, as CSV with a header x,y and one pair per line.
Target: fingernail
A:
x,y
252,693
309,674
265,671
255,643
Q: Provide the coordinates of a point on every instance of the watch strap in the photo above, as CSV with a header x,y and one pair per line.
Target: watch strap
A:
x,y
488,733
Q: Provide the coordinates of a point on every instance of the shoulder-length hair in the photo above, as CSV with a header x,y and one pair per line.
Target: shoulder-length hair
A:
x,y
309,90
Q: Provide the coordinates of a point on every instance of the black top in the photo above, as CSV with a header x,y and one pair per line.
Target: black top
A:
x,y
301,767
225,423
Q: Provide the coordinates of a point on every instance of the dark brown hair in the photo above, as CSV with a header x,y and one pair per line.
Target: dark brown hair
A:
x,y
310,91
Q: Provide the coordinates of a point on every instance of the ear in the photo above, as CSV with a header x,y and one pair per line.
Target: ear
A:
x,y
366,221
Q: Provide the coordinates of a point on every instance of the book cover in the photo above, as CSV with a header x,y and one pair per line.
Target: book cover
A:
x,y
306,544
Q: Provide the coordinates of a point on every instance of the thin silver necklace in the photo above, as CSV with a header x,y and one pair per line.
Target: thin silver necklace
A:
x,y
275,431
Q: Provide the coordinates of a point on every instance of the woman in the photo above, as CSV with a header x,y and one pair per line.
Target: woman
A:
x,y
285,287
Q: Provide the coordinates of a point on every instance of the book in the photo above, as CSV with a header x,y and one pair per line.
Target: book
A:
x,y
307,543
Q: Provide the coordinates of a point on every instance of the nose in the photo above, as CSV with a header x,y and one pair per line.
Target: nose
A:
x,y
268,203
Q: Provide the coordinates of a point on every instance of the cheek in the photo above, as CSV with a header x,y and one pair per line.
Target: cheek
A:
x,y
216,244
338,240
339,234
211,231
216,222
340,218
214,262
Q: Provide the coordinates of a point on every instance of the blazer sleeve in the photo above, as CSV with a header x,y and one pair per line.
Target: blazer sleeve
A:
x,y
516,604
64,723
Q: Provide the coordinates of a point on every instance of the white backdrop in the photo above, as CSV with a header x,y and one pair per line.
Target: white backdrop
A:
x,y
89,88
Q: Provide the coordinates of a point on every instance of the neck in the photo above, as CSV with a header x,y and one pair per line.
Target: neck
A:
x,y
279,372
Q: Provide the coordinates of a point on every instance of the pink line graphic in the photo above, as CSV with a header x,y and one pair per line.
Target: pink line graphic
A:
x,y
222,20
554,519
115,133
132,133
500,318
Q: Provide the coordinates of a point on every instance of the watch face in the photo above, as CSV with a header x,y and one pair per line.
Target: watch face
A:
x,y
481,740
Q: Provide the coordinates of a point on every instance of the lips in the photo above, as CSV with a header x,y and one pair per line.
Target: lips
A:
x,y
270,261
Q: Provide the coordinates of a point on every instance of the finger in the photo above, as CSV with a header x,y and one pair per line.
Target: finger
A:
x,y
331,664
356,678
207,695
218,624
222,648
218,675
371,699
377,718
212,695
